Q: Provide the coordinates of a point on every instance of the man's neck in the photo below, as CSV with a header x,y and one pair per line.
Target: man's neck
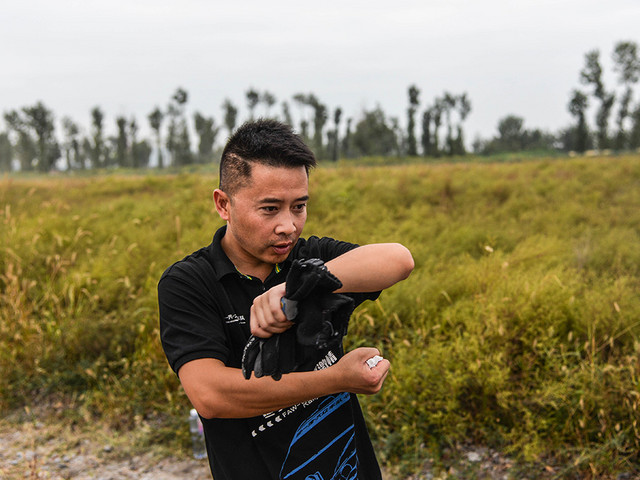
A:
x,y
244,264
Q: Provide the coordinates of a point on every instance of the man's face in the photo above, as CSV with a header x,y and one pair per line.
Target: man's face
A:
x,y
265,217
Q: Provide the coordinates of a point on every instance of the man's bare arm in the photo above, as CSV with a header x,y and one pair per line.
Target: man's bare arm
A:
x,y
222,392
368,268
373,267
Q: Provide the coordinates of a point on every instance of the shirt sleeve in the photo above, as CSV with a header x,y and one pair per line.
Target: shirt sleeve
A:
x,y
191,326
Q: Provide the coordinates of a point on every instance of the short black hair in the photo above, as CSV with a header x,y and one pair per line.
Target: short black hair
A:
x,y
263,141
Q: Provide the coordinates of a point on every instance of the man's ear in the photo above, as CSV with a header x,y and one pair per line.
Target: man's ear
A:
x,y
221,200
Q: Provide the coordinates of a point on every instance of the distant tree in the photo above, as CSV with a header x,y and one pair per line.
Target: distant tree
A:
x,y
304,129
634,135
412,149
449,104
436,112
627,65
513,137
464,109
578,107
347,148
303,101
135,159
624,112
178,142
478,145
184,154
207,132
591,74
253,98
230,115
25,145
96,146
155,121
320,117
6,153
335,138
40,119
72,146
602,120
511,132
122,158
141,152
426,133
537,139
400,136
373,135
627,62
180,96
269,100
286,114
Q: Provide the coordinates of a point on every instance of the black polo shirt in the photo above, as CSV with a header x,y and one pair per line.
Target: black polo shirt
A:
x,y
204,304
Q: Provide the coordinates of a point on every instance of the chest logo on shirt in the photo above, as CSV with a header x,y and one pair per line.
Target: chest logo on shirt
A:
x,y
233,318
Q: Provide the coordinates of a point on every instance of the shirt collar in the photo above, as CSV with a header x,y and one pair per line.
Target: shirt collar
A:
x,y
224,266
221,263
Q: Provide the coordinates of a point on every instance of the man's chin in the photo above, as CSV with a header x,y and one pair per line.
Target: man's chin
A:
x,y
280,258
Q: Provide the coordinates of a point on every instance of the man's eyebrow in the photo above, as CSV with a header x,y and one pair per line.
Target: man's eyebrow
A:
x,y
280,200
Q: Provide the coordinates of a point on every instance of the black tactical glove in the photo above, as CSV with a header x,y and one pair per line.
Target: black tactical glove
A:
x,y
271,356
321,318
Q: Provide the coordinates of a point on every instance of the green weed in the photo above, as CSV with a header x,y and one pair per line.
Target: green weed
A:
x,y
519,328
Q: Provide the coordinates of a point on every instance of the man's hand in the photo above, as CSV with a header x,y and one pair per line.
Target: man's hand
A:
x,y
266,316
356,374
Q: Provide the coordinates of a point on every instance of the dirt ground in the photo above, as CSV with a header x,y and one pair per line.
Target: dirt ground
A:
x,y
35,450
38,451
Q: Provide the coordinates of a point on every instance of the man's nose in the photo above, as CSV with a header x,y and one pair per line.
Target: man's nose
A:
x,y
286,225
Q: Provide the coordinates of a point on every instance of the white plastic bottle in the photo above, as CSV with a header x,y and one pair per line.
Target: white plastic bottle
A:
x,y
197,435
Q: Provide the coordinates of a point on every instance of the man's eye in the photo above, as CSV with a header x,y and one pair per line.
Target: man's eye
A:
x,y
301,206
269,208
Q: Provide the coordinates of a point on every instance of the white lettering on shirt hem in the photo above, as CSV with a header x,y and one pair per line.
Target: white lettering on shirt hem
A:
x,y
326,362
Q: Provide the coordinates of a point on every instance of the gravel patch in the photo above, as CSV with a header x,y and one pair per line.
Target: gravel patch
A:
x,y
39,451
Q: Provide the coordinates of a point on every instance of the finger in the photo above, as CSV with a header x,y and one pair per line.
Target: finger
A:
x,y
268,311
275,310
260,327
383,366
286,325
381,373
367,352
382,379
276,328
257,323
261,333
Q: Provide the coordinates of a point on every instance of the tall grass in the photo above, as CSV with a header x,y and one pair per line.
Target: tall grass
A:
x,y
519,328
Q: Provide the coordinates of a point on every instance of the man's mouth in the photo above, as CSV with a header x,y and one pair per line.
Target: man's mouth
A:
x,y
282,248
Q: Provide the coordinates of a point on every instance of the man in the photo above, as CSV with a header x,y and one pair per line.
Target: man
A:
x,y
307,425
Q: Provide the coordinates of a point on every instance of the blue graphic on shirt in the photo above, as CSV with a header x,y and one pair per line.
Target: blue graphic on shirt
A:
x,y
334,443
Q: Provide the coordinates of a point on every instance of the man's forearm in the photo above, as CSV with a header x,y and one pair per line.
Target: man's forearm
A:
x,y
222,392
370,268
237,397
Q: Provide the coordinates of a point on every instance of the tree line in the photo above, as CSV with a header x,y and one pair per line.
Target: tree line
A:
x,y
584,135
30,141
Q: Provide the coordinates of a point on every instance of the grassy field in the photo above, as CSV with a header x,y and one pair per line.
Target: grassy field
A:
x,y
519,328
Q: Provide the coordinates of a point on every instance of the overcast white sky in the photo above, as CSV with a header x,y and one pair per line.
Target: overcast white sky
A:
x,y
518,57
